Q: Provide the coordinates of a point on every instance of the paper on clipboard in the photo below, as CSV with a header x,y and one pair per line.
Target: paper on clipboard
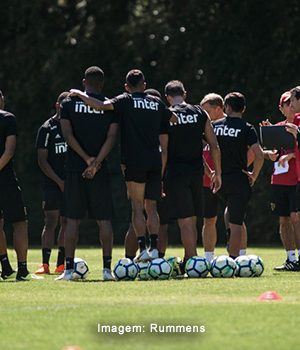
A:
x,y
278,169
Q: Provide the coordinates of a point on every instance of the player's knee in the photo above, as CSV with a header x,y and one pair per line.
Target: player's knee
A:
x,y
284,220
295,218
210,221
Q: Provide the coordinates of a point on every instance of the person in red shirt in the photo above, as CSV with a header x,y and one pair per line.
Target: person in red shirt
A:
x,y
284,181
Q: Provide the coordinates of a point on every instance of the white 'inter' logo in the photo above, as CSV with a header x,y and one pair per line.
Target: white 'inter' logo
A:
x,y
145,104
81,107
60,147
185,119
223,130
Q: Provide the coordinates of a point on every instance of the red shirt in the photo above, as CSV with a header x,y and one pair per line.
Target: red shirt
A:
x,y
290,178
209,161
297,152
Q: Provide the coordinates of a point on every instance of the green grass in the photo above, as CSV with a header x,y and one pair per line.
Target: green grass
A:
x,y
42,315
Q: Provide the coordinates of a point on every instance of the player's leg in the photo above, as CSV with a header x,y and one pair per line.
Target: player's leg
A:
x,y
136,193
238,194
162,241
187,232
106,240
60,262
48,234
152,223
244,240
296,225
6,269
99,198
209,231
131,245
75,210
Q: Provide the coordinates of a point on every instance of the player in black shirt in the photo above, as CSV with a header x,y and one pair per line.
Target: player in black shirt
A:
x,y
90,135
184,171
141,117
235,136
51,150
12,209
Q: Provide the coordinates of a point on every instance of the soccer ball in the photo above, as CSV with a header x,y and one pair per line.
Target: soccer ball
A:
x,y
223,266
81,269
246,267
197,266
160,269
259,265
143,270
175,263
125,270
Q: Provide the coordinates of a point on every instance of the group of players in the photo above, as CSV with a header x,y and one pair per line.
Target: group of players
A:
x,y
163,162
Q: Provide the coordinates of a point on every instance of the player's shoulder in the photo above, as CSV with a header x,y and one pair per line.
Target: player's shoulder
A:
x,y
7,115
69,100
220,121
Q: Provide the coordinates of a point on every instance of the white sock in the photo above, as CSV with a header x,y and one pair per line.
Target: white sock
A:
x,y
242,252
291,255
209,256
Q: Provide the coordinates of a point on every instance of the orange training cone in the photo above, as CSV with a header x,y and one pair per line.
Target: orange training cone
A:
x,y
269,295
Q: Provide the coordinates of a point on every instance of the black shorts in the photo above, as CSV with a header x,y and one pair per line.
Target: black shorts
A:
x,y
184,195
236,193
92,197
12,207
210,203
53,200
151,176
283,200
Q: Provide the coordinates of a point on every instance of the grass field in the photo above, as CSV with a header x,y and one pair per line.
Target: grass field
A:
x,y
49,315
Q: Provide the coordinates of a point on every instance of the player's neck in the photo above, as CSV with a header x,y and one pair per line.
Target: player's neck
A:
x,y
236,115
177,100
93,91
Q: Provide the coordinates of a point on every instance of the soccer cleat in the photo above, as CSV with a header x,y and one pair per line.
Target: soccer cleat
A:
x,y
108,275
143,256
28,277
43,270
10,276
288,266
153,253
67,275
59,269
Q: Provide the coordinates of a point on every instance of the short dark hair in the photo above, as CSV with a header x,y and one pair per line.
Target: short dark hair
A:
x,y
296,92
153,92
174,88
94,76
213,99
62,96
236,101
135,77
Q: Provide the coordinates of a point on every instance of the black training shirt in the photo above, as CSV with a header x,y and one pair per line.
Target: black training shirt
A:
x,y
8,127
50,137
234,135
185,139
141,118
89,126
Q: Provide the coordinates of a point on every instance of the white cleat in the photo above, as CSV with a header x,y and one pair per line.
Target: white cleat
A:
x,y
153,253
108,275
67,275
143,256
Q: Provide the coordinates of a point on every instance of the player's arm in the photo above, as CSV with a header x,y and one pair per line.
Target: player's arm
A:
x,y
91,101
270,155
10,146
211,139
104,151
207,169
257,164
164,140
67,131
47,169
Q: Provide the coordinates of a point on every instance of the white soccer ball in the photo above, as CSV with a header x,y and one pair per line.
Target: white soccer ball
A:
x,y
259,264
246,267
197,266
143,270
81,269
125,270
160,269
175,261
223,266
